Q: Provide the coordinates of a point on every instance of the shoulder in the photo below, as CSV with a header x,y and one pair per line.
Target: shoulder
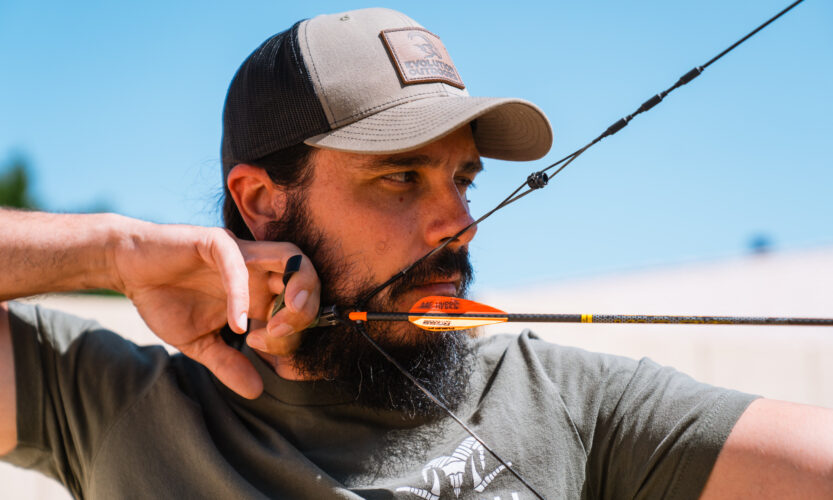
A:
x,y
599,386
556,362
60,353
65,335
80,380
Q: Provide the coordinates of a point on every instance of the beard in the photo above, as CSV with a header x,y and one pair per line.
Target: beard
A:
x,y
441,361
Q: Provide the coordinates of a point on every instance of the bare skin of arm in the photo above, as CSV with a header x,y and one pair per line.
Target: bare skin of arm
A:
x,y
776,450
186,281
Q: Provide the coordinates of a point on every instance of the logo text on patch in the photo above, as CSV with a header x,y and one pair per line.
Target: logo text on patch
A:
x,y
420,57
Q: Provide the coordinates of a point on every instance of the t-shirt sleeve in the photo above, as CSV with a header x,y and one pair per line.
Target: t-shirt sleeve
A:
x,y
73,379
661,435
648,431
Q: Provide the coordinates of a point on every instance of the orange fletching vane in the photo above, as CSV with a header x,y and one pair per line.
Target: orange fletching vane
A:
x,y
440,304
462,314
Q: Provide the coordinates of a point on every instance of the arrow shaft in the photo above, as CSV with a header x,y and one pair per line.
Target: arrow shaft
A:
x,y
602,318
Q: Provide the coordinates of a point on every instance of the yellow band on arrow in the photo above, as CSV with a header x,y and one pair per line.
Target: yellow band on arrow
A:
x,y
586,318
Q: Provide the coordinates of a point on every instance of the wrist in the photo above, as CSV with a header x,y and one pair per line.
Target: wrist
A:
x,y
120,237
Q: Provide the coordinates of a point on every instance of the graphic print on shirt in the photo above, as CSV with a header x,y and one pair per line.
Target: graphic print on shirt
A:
x,y
466,458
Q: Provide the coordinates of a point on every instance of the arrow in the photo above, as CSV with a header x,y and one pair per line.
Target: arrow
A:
x,y
437,313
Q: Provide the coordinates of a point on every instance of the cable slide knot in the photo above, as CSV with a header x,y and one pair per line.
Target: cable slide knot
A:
x,y
537,180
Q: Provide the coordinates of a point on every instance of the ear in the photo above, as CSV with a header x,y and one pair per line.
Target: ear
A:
x,y
258,199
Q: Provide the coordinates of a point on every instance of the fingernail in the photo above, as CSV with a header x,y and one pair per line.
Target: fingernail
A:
x,y
256,342
299,300
281,330
243,321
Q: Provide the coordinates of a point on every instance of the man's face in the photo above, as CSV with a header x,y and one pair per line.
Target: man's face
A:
x,y
383,212
362,219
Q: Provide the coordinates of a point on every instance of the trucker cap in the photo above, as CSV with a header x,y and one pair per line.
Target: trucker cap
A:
x,y
366,81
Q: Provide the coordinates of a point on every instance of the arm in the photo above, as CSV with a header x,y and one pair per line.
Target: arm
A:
x,y
776,450
187,282
40,253
54,252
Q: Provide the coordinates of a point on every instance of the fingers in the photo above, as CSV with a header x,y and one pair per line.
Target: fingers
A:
x,y
266,262
284,330
227,364
235,276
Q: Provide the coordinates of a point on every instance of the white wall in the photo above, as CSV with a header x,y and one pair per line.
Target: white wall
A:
x,y
789,363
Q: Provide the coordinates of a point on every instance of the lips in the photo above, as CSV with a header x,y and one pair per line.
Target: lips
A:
x,y
443,286
449,289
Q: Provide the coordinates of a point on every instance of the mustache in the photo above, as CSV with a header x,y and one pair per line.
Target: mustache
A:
x,y
447,263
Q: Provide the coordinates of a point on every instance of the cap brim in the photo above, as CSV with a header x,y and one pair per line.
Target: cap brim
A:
x,y
507,129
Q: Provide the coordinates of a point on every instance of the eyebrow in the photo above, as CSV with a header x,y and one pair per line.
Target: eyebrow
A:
x,y
470,167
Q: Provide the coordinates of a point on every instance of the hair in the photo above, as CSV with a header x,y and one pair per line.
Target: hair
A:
x,y
289,168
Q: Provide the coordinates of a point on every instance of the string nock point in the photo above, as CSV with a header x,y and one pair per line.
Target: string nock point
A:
x,y
357,316
537,180
329,316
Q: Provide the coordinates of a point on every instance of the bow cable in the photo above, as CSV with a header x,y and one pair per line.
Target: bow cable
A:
x,y
539,179
359,327
536,180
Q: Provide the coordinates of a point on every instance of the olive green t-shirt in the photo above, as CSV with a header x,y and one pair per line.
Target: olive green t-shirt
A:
x,y
109,419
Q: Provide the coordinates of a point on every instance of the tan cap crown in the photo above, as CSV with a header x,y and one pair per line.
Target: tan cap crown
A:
x,y
388,85
367,81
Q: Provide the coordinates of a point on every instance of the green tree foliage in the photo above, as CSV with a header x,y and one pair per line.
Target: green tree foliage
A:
x,y
15,185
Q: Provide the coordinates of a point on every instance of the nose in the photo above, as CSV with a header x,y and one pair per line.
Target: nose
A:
x,y
447,213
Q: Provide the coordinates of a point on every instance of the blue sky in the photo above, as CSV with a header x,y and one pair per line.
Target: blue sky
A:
x,y
119,104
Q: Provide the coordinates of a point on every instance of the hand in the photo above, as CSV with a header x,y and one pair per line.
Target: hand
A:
x,y
187,282
282,334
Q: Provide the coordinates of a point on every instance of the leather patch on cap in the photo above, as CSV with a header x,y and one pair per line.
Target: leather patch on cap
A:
x,y
420,57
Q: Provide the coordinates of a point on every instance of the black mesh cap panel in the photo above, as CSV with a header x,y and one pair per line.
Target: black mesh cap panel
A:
x,y
271,103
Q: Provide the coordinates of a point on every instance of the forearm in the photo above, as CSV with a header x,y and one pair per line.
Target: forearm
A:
x,y
42,252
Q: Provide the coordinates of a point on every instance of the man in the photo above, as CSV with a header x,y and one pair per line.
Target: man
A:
x,y
349,139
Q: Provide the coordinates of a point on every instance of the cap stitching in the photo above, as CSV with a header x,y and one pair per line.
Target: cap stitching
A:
x,y
370,132
378,131
389,103
329,109
421,111
415,122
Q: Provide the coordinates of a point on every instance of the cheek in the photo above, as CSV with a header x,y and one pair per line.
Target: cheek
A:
x,y
384,247
376,232
381,247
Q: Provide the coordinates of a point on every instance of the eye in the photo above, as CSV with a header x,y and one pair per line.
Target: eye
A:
x,y
464,183
405,177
